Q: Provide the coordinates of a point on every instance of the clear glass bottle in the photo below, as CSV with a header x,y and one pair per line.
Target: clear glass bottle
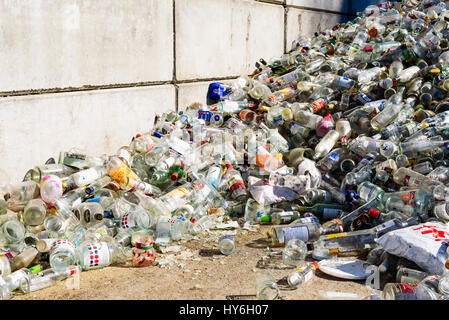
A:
x,y
294,253
326,144
170,201
301,276
48,278
88,176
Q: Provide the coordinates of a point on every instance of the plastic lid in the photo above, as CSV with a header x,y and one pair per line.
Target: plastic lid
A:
x,y
265,218
174,176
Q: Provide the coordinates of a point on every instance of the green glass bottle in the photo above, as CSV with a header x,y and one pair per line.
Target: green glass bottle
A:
x,y
165,178
324,211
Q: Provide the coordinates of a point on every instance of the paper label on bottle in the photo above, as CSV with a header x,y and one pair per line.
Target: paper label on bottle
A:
x,y
277,118
411,127
317,105
123,153
229,106
74,160
85,177
296,232
235,178
308,220
329,213
386,225
179,192
337,235
72,270
409,198
333,156
149,141
286,219
298,129
122,173
96,255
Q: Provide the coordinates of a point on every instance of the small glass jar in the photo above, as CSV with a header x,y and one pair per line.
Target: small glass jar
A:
x,y
12,233
63,254
294,253
266,287
34,212
226,245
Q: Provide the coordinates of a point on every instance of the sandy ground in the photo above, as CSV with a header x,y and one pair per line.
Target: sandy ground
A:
x,y
200,272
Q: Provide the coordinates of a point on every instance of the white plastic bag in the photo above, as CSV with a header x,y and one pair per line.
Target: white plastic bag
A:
x,y
309,166
425,244
267,194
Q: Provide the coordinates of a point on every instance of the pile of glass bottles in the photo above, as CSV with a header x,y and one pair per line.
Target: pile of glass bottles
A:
x,y
337,142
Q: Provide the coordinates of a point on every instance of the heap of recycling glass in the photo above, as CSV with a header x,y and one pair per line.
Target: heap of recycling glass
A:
x,y
340,144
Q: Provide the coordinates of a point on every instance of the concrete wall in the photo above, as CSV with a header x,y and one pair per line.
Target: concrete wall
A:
x,y
92,73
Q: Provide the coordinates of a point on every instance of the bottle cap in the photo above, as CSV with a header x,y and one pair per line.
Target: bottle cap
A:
x,y
174,176
373,213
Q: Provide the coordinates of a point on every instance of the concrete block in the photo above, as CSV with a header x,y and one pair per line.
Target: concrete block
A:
x,y
217,38
72,43
307,22
36,127
331,5
272,1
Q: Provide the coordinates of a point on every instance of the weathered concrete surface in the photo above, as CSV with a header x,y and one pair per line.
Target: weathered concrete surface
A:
x,y
331,5
34,128
218,38
50,44
306,22
71,43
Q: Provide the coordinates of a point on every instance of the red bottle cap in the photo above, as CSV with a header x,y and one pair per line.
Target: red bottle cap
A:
x,y
373,213
366,49
174,176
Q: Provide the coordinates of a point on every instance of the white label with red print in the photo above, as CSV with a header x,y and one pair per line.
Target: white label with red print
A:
x,y
62,244
96,255
425,244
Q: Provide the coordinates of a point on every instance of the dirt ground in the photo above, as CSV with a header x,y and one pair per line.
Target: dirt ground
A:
x,y
200,272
